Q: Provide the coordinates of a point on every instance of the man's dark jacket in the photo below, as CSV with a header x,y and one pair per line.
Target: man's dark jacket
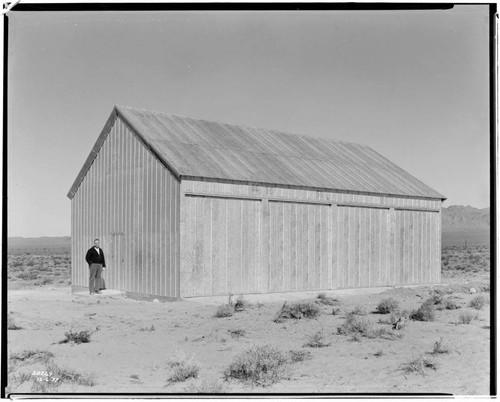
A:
x,y
94,257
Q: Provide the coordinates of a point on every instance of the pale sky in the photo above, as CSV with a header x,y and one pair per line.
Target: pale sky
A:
x,y
413,85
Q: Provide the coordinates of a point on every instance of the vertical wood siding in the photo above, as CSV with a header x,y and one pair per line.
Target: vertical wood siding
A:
x,y
261,245
130,201
221,246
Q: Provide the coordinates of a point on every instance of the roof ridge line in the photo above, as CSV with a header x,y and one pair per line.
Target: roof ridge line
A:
x,y
242,126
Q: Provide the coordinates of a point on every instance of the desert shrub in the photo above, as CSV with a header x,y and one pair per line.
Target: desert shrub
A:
x,y
467,316
260,365
241,304
44,281
336,311
420,365
11,324
148,329
67,375
28,276
387,306
299,355
426,312
395,317
64,376
236,333
478,302
439,348
224,310
297,311
448,304
182,369
206,387
358,310
32,355
76,337
357,327
316,340
324,299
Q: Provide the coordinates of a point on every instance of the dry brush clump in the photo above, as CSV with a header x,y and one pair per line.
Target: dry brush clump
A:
x,y
426,312
420,365
297,311
358,310
206,387
387,306
30,355
11,324
356,327
322,298
237,333
77,337
299,355
261,365
439,348
448,304
466,317
182,369
51,377
478,302
316,340
224,310
227,310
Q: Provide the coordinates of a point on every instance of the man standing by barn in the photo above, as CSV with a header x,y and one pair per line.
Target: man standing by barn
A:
x,y
95,259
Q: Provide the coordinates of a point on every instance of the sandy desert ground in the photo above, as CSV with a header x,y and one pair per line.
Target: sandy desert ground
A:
x,y
133,345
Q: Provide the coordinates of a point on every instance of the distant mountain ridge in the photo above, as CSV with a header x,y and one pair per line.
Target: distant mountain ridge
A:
x,y
465,217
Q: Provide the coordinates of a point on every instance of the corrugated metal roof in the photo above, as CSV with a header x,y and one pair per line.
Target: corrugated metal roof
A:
x,y
213,150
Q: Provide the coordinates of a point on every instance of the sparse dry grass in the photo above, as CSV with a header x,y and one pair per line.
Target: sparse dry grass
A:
x,y
467,316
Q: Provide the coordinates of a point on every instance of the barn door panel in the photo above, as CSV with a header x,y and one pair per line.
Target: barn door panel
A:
x,y
416,248
300,246
221,246
363,259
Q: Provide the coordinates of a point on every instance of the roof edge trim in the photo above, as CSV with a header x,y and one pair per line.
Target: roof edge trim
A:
x,y
322,189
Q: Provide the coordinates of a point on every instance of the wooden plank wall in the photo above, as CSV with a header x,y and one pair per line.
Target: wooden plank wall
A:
x,y
131,203
222,250
305,245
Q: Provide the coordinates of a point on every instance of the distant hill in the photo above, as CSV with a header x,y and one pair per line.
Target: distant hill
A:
x,y
462,224
460,217
39,245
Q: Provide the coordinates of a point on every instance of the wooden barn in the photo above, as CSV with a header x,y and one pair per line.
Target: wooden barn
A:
x,y
186,207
